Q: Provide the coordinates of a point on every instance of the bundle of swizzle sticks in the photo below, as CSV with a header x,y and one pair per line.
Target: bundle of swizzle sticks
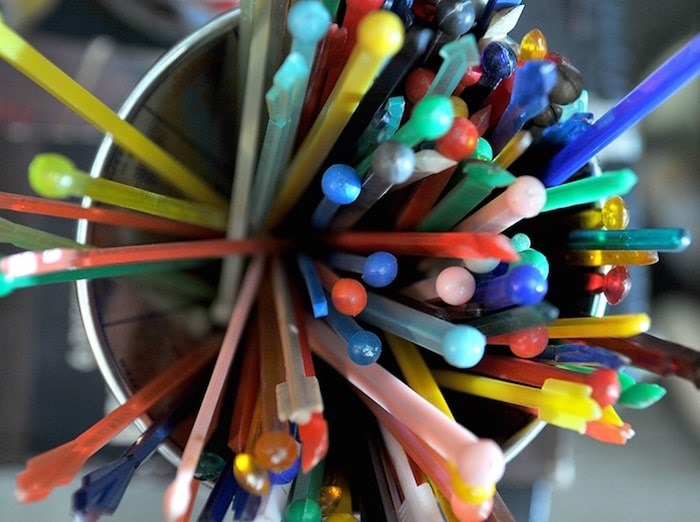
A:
x,y
408,271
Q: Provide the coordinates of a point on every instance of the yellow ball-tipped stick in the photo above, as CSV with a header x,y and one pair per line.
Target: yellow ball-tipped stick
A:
x,y
379,36
30,62
55,176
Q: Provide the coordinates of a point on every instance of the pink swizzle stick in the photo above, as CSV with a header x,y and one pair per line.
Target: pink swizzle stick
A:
x,y
478,461
524,198
178,495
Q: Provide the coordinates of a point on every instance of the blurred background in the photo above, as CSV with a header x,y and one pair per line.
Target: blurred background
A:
x,y
50,389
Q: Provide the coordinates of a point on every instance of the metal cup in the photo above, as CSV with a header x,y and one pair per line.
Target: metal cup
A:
x,y
187,104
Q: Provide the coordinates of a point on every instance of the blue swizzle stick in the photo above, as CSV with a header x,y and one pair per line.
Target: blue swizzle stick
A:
x,y
649,94
102,490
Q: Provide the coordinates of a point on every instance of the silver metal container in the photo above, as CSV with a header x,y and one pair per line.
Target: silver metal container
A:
x,y
186,103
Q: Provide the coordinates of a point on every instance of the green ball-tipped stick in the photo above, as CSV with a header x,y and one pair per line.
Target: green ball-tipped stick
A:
x,y
588,190
432,117
55,176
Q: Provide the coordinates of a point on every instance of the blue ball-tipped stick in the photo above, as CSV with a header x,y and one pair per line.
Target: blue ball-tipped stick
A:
x,y
341,186
364,347
462,346
524,285
377,270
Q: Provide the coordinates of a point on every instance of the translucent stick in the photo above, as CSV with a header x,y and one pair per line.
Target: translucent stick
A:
x,y
419,501
58,466
611,257
515,148
299,396
313,434
461,346
419,377
656,239
55,176
603,381
658,355
431,118
247,392
177,496
591,189
313,284
260,18
249,473
576,352
561,403
656,88
378,98
417,373
439,471
303,502
392,164
30,238
456,56
104,216
533,82
424,194
514,319
251,117
154,276
478,461
428,163
66,259
288,84
478,181
524,198
432,244
275,449
626,325
26,59
364,347
102,490
380,36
